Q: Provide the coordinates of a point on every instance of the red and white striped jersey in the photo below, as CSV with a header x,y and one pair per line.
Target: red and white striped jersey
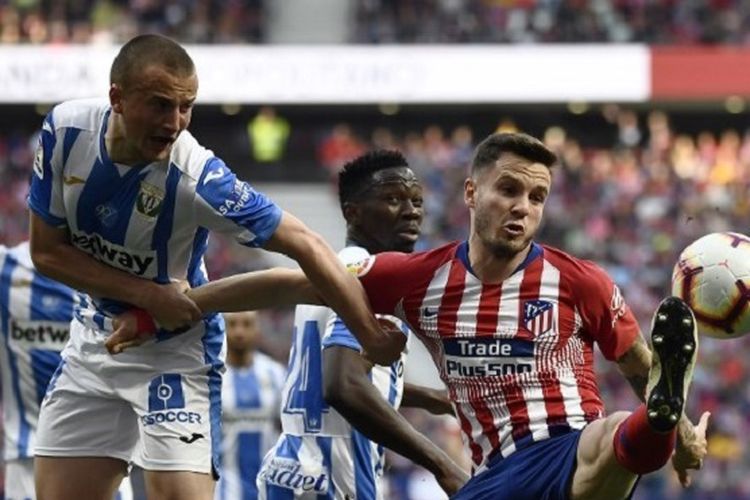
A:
x,y
517,356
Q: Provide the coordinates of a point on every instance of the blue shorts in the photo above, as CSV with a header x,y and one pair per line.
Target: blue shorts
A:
x,y
542,471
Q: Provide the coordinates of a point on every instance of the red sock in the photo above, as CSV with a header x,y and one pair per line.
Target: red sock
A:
x,y
638,447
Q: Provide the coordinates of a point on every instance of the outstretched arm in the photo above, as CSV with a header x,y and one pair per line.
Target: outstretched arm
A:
x,y
275,287
348,389
242,292
635,365
341,291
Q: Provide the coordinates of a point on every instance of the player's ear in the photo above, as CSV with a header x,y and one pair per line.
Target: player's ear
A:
x,y
115,97
470,192
351,212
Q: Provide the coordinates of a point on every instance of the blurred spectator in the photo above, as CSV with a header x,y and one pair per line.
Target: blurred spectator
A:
x,y
268,134
337,147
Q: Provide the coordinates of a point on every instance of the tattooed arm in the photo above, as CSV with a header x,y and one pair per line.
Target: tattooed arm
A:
x,y
635,365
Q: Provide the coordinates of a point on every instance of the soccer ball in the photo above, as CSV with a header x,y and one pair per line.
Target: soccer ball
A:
x,y
713,276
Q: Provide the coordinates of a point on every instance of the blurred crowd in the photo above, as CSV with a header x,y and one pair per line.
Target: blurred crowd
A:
x,y
631,206
386,21
116,21
552,21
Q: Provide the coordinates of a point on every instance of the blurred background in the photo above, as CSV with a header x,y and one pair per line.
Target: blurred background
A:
x,y
643,100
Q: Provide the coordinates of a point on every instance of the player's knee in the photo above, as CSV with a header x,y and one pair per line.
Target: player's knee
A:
x,y
614,420
595,446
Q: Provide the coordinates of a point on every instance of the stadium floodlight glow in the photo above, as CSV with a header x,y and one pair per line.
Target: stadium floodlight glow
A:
x,y
734,104
578,108
231,109
389,109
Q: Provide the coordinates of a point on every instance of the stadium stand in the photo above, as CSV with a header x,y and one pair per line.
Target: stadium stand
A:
x,y
386,21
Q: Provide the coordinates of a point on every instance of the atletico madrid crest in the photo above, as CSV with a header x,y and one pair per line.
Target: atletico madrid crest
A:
x,y
538,316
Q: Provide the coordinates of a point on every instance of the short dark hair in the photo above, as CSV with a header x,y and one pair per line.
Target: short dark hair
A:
x,y
530,148
355,174
144,50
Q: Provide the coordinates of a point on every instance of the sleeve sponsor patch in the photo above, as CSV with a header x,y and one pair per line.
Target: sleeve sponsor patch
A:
x,y
39,160
618,305
361,267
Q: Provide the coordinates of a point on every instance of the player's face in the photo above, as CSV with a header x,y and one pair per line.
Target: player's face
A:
x,y
242,330
156,106
507,201
389,215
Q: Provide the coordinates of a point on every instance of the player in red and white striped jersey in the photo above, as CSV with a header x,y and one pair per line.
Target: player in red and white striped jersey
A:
x,y
511,325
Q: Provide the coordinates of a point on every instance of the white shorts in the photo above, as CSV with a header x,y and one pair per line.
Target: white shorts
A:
x,y
158,405
19,481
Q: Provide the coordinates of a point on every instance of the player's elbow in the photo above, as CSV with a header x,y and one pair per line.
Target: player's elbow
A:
x,y
43,259
340,390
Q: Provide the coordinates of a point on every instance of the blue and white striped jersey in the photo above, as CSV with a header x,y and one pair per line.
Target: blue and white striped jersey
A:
x,y
152,220
250,399
35,314
319,453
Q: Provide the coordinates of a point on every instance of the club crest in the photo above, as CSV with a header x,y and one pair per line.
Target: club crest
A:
x,y
538,316
150,200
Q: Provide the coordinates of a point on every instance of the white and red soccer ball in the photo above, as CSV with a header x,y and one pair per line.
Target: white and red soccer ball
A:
x,y
713,276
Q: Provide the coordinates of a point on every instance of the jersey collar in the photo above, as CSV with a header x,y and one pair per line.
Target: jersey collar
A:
x,y
462,252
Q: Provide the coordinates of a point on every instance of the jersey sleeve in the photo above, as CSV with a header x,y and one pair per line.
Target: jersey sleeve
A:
x,y
231,206
45,195
385,279
338,334
605,314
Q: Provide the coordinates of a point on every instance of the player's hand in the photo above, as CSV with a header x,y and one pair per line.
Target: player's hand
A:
x,y
389,350
171,308
126,333
451,478
691,448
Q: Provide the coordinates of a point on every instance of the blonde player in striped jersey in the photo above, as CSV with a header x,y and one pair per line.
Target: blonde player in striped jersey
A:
x,y
123,199
250,399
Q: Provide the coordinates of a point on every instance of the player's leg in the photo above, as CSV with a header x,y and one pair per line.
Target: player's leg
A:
x,y
83,446
176,485
95,478
179,412
179,429
85,437
614,451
